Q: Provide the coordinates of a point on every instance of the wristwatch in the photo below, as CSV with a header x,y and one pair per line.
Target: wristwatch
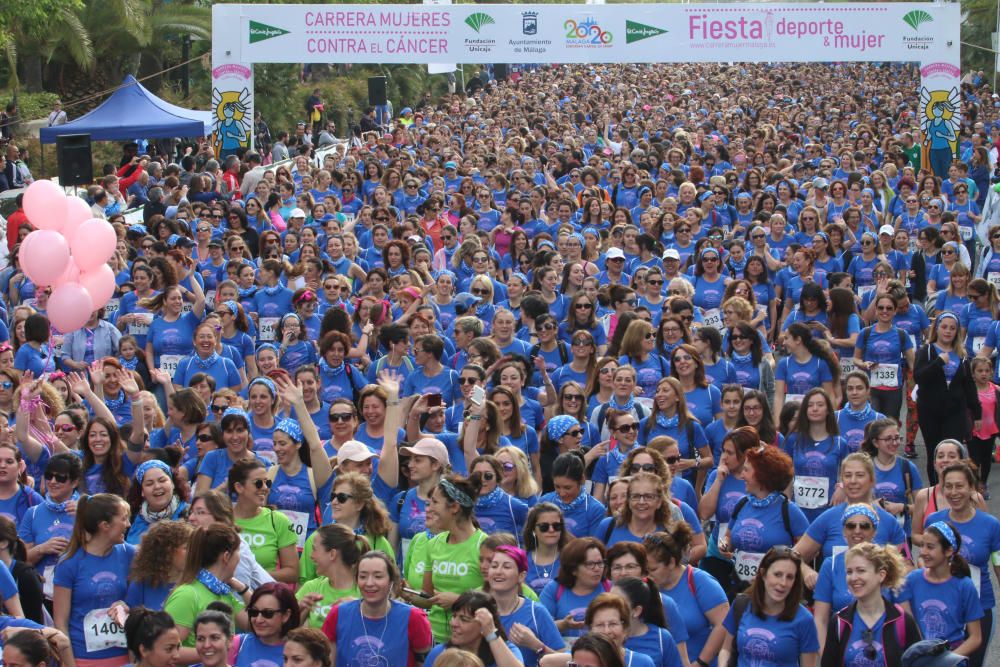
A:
x,y
701,662
490,637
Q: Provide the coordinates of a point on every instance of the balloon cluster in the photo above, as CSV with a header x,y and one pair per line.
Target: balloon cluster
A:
x,y
68,251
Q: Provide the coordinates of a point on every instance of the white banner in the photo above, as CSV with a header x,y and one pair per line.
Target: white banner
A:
x,y
587,33
440,68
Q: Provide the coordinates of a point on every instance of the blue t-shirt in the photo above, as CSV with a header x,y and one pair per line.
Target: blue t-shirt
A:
x,y
500,512
828,529
561,602
704,403
657,644
95,583
831,585
216,464
852,426
40,524
252,652
648,372
757,529
221,369
799,378
706,595
941,609
440,648
607,468
980,539
173,338
581,516
883,348
150,597
444,383
537,618
294,494
620,533
770,641
732,490
817,468
539,576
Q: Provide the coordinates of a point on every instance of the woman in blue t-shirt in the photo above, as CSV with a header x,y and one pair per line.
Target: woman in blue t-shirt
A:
x,y
646,633
772,628
704,400
273,611
93,575
941,595
580,580
171,333
817,450
807,366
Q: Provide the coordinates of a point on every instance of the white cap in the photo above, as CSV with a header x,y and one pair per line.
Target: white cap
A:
x,y
430,447
887,229
296,213
615,253
672,253
352,450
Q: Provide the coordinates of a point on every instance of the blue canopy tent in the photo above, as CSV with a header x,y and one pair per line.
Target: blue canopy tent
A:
x,y
132,112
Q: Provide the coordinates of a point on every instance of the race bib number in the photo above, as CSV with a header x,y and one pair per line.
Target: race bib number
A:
x,y
48,586
300,525
210,300
141,325
187,307
885,376
837,550
913,244
789,398
865,290
811,492
169,363
747,564
713,318
977,343
965,233
847,365
993,278
100,632
723,528
269,328
112,307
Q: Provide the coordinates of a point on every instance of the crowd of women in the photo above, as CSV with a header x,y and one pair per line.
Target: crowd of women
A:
x,y
552,373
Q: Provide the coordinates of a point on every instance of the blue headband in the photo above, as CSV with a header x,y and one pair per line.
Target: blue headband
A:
x,y
233,307
146,466
291,428
591,230
579,237
560,425
235,412
948,314
523,278
267,382
863,510
267,346
284,318
705,251
826,237
946,532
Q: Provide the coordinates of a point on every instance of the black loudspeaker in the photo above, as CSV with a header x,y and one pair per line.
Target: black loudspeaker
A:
x,y
76,166
377,92
500,72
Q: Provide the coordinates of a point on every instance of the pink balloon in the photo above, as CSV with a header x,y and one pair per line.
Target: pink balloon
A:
x,y
77,212
70,306
100,283
93,244
70,275
45,205
46,257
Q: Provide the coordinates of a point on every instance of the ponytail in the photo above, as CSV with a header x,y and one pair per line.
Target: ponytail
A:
x,y
959,566
644,593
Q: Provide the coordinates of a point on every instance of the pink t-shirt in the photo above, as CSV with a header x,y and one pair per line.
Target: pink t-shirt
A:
x,y
988,426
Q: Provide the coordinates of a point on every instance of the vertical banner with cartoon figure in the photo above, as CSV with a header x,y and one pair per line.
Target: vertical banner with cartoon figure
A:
x,y
232,108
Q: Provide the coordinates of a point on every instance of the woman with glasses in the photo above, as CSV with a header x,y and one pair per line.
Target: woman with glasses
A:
x,y
580,579
516,475
827,257
650,508
496,510
580,368
756,412
273,612
703,399
270,533
977,317
582,317
545,535
47,527
636,350
709,285
939,275
942,595
862,267
871,629
235,333
911,217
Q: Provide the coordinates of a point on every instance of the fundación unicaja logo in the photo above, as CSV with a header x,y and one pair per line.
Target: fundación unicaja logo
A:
x,y
261,31
917,17
636,32
478,20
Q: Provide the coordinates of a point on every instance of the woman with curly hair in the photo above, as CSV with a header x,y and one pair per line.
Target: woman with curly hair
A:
x,y
158,564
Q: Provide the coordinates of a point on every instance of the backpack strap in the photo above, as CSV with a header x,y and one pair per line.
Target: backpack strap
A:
x,y
901,628
602,415
560,589
786,517
690,580
611,529
739,607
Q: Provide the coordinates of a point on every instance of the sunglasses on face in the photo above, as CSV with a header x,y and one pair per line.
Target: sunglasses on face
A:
x,y
341,416
851,525
59,477
548,327
627,428
341,497
642,467
507,466
480,292
266,613
467,380
583,306
205,437
261,483
735,337
546,527
65,428
488,476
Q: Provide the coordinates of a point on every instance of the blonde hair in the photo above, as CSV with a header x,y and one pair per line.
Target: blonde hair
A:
x,y
526,484
884,558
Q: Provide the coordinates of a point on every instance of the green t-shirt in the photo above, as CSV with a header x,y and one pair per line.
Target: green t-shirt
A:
x,y
267,533
454,569
307,568
413,560
185,602
913,155
331,596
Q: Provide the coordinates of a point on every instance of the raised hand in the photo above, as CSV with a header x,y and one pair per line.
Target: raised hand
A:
x,y
97,374
127,382
78,383
390,380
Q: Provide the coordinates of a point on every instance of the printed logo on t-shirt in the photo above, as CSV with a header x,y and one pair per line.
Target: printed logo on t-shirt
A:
x,y
934,618
758,646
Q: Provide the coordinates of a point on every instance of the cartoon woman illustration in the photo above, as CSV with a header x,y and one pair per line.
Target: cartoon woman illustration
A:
x,y
231,129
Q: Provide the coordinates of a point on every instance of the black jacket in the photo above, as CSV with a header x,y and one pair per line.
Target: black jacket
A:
x,y
937,396
838,631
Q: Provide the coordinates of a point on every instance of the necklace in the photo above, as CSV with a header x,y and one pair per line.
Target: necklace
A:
x,y
517,603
